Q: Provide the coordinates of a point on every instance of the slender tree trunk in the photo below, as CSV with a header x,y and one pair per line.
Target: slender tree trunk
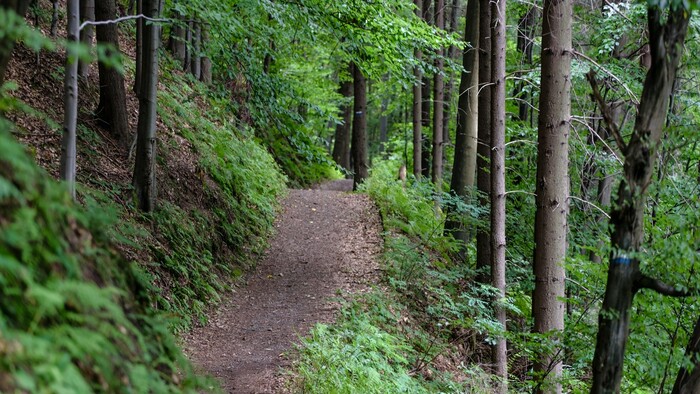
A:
x,y
498,183
688,379
359,128
483,158
206,75
449,86
417,108
54,18
188,48
438,101
111,110
176,43
195,58
666,39
70,100
343,133
526,36
145,168
87,35
552,191
464,168
140,25
426,95
7,42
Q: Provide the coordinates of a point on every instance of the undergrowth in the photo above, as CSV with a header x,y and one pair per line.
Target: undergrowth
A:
x,y
74,315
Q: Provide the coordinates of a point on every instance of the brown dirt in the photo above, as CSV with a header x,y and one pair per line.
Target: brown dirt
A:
x,y
327,243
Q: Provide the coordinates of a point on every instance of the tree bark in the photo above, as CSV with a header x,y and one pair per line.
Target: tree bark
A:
x,y
111,111
145,168
483,158
139,49
438,101
666,40
359,128
195,58
54,18
206,75
7,42
449,86
87,35
552,192
498,183
176,42
343,133
426,95
417,107
70,100
688,380
464,168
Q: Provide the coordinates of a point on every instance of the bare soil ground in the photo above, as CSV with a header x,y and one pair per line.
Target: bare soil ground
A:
x,y
326,245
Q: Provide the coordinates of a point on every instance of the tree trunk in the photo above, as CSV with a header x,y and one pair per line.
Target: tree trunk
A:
x,y
87,35
438,101
359,128
195,58
145,168
139,49
176,42
417,108
688,380
464,168
206,76
449,86
499,353
343,134
54,18
483,158
526,36
7,42
552,192
70,100
666,38
111,111
188,48
426,95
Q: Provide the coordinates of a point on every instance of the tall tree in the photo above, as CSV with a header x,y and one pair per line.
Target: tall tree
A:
x,y
498,183
195,58
111,110
525,44
667,31
359,128
438,99
417,107
483,158
7,41
176,41
552,191
206,71
426,95
464,168
70,99
145,167
87,35
688,378
343,130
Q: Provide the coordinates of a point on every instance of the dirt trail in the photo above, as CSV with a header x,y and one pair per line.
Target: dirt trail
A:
x,y
327,242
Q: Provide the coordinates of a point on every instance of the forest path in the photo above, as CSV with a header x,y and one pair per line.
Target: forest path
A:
x,y
326,243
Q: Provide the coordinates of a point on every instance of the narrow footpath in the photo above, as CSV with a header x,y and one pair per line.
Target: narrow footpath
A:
x,y
326,244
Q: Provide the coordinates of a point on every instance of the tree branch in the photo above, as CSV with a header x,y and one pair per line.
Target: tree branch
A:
x,y
646,282
605,110
122,19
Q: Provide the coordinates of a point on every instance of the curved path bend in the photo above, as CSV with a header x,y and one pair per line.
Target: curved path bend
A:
x,y
326,243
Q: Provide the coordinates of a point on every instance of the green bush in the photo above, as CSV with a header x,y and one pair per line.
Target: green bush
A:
x,y
74,315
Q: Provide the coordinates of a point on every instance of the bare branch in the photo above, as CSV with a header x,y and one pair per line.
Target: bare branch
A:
x,y
605,110
122,19
634,97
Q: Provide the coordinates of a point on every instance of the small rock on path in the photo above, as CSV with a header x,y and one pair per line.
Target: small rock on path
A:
x,y
326,242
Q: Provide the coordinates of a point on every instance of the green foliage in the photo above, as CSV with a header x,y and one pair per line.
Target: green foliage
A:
x,y
74,315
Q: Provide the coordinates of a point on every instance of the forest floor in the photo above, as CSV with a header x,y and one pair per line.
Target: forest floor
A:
x,y
326,247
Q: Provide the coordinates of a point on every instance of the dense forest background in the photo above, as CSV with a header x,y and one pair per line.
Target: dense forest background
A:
x,y
536,166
